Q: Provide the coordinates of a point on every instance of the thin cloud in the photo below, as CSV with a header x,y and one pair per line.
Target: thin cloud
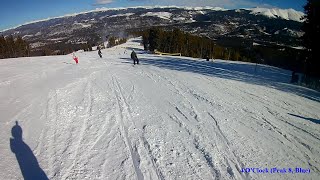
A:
x,y
228,4
213,3
102,2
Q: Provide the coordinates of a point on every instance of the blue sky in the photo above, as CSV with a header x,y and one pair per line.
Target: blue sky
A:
x,y
16,12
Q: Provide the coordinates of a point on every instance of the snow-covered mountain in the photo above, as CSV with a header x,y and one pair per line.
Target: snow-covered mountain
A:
x,y
288,14
258,24
167,118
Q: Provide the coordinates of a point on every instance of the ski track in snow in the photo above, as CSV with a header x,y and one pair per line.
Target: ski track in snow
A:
x,y
107,119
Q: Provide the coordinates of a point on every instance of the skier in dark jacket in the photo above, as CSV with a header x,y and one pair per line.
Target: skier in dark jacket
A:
x,y
207,57
99,52
134,57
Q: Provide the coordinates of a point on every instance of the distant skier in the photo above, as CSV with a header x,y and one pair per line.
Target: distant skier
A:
x,y
75,58
207,57
134,57
294,77
99,52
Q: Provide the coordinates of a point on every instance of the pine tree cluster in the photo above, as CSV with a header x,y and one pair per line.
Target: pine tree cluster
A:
x,y
311,37
87,47
177,41
11,47
114,41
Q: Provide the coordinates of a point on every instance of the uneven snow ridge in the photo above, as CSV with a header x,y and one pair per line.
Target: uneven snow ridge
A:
x,y
167,118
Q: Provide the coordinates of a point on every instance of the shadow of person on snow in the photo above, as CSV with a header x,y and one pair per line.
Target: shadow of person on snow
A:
x,y
28,163
317,121
263,75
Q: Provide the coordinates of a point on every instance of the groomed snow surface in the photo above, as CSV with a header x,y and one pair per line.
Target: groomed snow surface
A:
x,y
167,118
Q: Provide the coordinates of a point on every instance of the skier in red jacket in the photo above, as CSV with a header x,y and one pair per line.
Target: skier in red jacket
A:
x,y
75,58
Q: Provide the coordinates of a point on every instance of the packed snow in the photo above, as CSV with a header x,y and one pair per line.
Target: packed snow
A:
x,y
167,118
119,15
82,25
179,18
162,15
37,44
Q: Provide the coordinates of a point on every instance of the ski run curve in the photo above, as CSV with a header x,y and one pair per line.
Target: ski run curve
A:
x,y
167,118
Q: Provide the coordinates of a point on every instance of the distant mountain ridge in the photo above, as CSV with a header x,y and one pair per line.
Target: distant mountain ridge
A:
x,y
288,14
279,26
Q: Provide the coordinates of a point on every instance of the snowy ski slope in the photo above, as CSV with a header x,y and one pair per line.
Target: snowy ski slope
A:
x,y
168,118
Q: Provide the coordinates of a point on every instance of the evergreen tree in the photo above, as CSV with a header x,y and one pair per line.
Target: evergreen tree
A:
x,y
46,51
111,41
153,39
2,47
89,47
10,46
145,40
20,47
85,47
177,41
311,27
